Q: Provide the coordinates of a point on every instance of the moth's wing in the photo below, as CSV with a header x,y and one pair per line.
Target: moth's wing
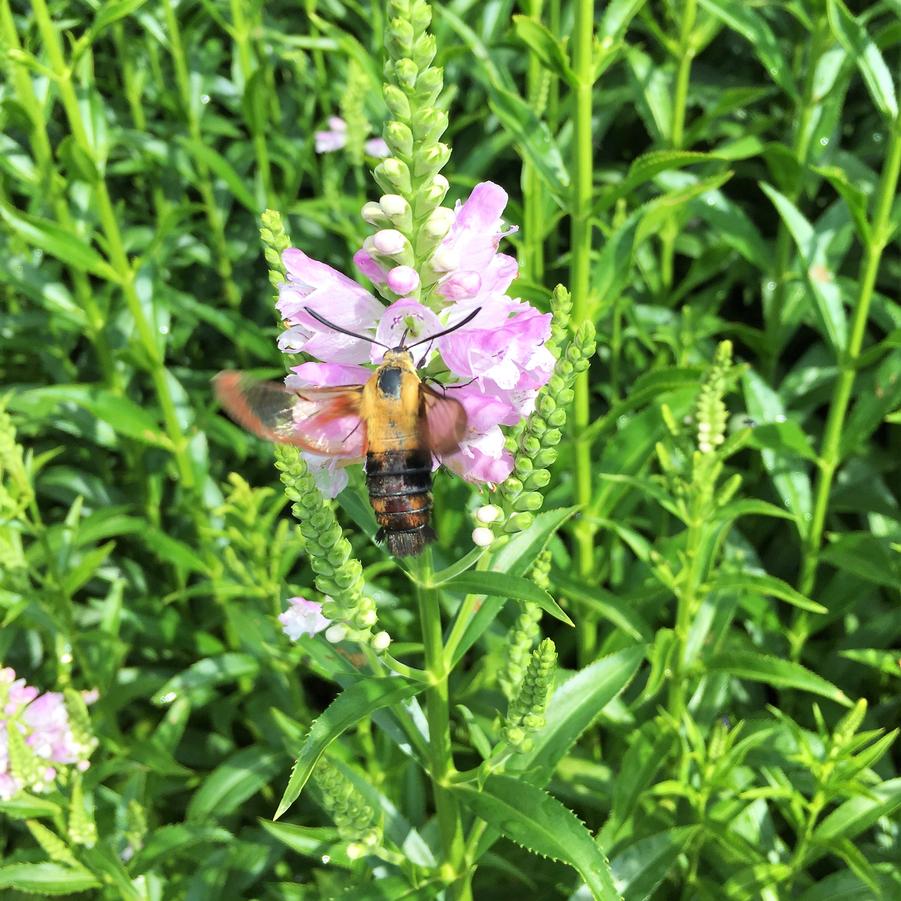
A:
x,y
444,421
319,420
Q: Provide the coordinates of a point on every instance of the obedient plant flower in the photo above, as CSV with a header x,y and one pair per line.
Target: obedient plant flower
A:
x,y
335,137
302,617
494,365
39,734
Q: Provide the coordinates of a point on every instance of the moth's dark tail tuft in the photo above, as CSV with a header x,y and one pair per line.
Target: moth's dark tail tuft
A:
x,y
407,543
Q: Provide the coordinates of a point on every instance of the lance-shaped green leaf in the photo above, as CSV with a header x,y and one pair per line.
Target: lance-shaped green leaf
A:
x,y
498,584
859,813
769,586
546,47
541,824
817,273
57,241
235,780
776,672
207,673
46,879
854,38
353,704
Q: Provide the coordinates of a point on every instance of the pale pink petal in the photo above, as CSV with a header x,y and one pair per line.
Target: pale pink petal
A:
x,y
368,265
482,458
302,617
329,473
326,375
377,147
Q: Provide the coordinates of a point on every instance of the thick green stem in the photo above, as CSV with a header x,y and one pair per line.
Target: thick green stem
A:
x,y
533,186
579,282
438,715
680,102
830,452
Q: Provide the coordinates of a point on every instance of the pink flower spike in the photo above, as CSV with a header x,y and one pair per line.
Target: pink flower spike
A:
x,y
376,147
403,279
302,617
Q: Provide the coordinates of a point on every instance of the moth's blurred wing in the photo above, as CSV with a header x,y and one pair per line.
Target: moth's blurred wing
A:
x,y
322,421
444,423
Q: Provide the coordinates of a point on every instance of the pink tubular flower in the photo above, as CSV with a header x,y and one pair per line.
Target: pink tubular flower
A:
x,y
302,617
498,360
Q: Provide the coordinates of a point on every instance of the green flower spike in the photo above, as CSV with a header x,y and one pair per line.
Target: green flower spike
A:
x,y
354,817
339,576
534,443
275,242
711,413
526,712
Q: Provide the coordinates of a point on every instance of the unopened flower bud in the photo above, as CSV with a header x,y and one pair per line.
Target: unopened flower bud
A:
x,y
356,850
393,206
388,242
439,222
482,536
393,175
399,138
335,633
438,188
431,159
428,86
380,641
489,513
403,279
397,102
423,51
429,124
406,72
373,214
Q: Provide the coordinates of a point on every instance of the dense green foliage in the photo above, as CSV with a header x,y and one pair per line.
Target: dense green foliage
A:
x,y
715,182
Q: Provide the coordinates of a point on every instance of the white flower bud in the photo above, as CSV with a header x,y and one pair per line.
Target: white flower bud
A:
x,y
392,205
373,214
355,851
444,259
388,242
403,279
489,513
335,633
380,641
482,536
439,222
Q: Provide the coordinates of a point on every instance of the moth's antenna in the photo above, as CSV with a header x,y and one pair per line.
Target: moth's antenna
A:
x,y
343,331
447,331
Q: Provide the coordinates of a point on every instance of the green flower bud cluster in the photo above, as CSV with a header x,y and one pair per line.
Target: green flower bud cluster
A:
x,y
561,317
534,444
526,712
79,721
82,826
711,413
54,847
16,493
410,176
350,811
339,575
520,640
275,242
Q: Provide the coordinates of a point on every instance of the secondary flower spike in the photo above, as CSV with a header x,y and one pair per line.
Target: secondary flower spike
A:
x,y
494,364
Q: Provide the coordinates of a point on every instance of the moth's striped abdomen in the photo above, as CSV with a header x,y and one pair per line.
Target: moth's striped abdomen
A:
x,y
400,490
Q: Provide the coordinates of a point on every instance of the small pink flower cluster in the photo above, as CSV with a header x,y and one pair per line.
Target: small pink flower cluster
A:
x,y
336,137
43,721
497,361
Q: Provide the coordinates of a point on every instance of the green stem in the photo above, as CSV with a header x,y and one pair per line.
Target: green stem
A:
x,y
533,186
438,715
116,247
830,452
245,61
204,182
579,280
680,102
